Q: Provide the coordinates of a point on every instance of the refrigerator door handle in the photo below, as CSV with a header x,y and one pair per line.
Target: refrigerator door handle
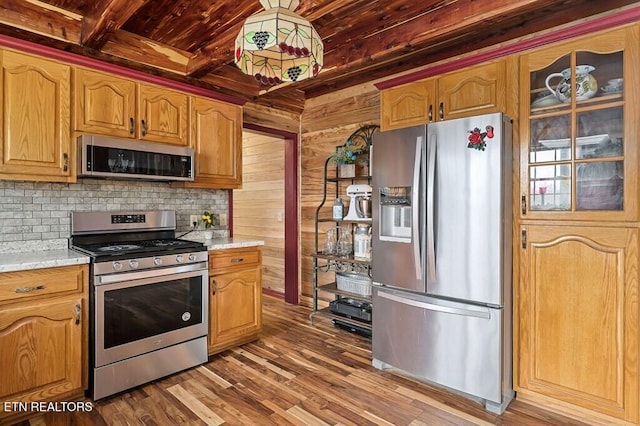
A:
x,y
417,258
431,170
484,314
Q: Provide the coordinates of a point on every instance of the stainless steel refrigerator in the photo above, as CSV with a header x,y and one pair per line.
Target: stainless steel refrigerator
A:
x,y
441,259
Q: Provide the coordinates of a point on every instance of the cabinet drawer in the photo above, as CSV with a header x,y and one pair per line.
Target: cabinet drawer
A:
x,y
234,258
33,283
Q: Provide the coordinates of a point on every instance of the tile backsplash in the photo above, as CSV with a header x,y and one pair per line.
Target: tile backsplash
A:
x,y
31,211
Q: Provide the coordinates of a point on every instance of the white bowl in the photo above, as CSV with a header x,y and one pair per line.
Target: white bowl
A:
x,y
545,101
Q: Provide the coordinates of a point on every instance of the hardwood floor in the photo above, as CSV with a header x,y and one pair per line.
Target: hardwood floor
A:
x,y
295,374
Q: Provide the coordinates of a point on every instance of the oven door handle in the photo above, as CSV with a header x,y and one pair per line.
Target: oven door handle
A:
x,y
150,273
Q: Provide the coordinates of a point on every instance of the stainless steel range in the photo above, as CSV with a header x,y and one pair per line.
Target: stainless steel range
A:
x,y
148,297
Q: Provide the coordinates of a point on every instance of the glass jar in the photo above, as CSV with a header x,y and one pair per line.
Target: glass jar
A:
x,y
362,242
331,243
338,209
345,242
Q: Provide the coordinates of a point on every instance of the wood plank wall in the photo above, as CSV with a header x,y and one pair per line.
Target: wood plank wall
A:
x,y
327,121
268,176
258,208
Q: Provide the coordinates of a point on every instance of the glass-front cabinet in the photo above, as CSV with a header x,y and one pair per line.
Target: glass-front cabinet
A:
x,y
580,126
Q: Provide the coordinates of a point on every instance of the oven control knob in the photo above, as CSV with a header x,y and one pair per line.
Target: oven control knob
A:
x,y
192,257
133,264
179,258
157,261
117,266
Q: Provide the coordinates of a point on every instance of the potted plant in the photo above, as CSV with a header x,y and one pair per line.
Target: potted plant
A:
x,y
345,158
356,149
208,220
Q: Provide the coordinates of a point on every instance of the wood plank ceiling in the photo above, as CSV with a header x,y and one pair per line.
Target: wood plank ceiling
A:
x,y
193,40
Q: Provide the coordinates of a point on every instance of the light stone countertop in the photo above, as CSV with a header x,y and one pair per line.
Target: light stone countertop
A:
x,y
223,243
37,259
49,254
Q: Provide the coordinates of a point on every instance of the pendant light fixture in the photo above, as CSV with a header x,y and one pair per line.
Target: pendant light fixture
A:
x,y
277,45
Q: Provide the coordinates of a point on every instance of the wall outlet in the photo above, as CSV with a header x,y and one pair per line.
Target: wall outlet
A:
x,y
223,219
194,218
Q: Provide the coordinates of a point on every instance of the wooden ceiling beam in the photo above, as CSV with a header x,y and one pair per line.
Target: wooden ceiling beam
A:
x,y
104,17
212,57
440,24
219,51
142,50
40,18
451,20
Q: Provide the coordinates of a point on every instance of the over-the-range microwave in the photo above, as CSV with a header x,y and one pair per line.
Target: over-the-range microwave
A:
x,y
105,157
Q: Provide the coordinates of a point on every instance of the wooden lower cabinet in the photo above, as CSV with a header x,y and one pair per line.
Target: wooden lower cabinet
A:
x,y
43,337
576,319
235,297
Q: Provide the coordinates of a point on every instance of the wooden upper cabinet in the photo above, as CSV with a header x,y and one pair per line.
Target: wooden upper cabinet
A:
x,y
576,318
216,137
36,119
476,90
579,156
407,105
104,104
163,115
114,106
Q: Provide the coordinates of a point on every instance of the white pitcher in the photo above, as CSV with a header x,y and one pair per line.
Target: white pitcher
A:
x,y
586,84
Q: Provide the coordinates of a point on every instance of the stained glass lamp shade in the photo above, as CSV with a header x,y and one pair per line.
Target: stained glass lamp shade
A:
x,y
277,45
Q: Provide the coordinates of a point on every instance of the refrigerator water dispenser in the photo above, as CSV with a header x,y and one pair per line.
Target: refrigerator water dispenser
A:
x,y
395,214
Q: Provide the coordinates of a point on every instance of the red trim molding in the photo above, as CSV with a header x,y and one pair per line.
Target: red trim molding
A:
x,y
75,59
291,223
624,17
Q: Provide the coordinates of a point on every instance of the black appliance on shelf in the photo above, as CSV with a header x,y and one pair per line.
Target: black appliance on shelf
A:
x,y
352,308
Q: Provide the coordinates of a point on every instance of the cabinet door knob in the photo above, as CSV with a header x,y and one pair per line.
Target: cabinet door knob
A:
x,y
430,115
144,128
215,286
441,110
65,162
523,204
132,125
78,311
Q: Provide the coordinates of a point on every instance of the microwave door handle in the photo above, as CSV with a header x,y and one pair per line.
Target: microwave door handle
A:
x,y
431,171
415,219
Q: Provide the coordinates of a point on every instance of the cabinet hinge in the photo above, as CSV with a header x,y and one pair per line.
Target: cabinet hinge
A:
x,y
523,238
